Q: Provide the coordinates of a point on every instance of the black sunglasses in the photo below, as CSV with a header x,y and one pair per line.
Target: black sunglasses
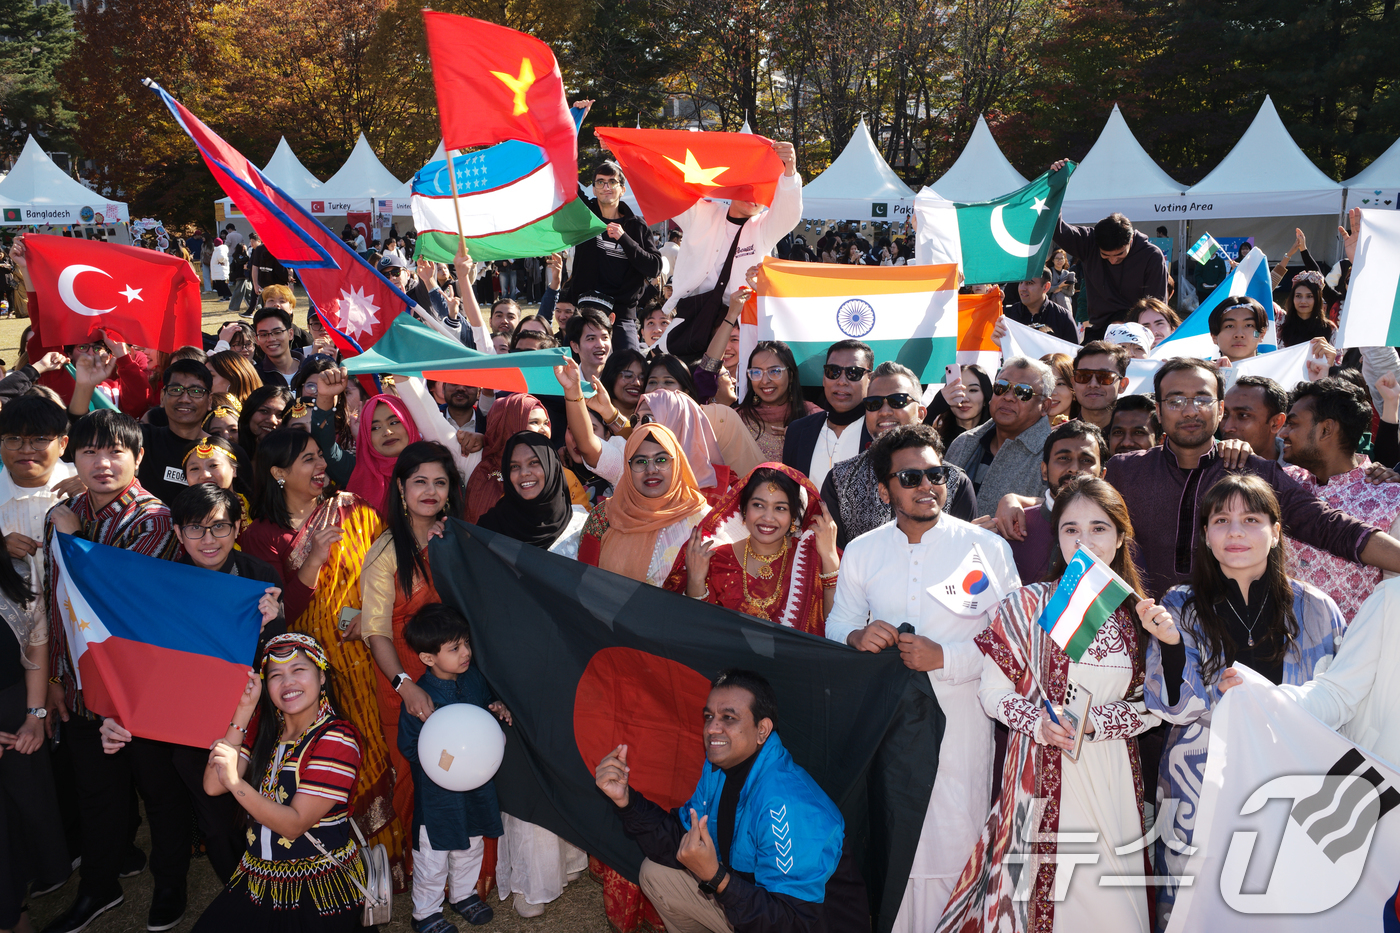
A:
x,y
853,373
912,479
1022,391
896,401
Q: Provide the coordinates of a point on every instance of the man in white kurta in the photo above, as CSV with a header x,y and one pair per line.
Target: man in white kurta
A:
x,y
889,576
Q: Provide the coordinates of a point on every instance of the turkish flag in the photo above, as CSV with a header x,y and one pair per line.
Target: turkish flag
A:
x,y
669,170
495,84
85,286
359,222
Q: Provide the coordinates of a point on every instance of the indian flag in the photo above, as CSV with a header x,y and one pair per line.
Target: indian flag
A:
x,y
905,313
1087,594
977,318
1371,312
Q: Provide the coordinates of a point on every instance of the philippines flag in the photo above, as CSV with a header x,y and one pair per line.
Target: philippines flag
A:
x,y
168,658
356,303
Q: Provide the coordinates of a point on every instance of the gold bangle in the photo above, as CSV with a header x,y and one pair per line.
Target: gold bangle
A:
x,y
579,399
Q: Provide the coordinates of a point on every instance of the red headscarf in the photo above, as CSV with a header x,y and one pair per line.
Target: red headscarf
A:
x,y
370,478
509,415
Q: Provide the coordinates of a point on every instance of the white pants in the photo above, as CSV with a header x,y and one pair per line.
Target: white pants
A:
x,y
532,861
434,869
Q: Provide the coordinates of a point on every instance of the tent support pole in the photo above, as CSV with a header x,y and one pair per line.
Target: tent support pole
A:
x,y
456,204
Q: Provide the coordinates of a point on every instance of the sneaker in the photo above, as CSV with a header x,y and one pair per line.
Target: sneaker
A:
x,y
167,909
474,910
132,864
433,923
40,888
525,909
80,916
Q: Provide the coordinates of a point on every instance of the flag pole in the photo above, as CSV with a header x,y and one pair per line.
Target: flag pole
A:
x,y
456,204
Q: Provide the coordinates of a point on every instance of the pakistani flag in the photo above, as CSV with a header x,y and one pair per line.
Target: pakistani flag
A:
x,y
1371,312
1004,240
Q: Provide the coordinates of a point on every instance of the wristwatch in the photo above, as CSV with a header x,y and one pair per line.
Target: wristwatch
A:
x,y
38,712
400,679
712,886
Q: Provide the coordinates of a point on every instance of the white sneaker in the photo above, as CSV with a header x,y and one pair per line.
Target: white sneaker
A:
x,y
525,909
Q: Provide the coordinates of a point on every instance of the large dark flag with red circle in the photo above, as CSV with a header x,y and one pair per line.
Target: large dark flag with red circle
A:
x,y
587,660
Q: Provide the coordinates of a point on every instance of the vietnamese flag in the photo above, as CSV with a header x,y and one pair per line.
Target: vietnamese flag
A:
x,y
166,652
587,660
495,84
669,170
82,286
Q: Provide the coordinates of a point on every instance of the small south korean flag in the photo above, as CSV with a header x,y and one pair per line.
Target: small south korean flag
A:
x,y
970,589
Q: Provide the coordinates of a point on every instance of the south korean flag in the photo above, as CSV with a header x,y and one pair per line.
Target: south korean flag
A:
x,y
969,590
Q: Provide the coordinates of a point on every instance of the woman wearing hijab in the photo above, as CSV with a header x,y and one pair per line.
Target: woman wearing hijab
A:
x,y
687,421
767,549
641,530
534,507
385,429
509,416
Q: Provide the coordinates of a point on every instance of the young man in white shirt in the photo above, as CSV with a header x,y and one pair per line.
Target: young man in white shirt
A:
x,y
939,576
33,437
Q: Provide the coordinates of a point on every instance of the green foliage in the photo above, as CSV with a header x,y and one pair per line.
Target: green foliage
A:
x,y
35,41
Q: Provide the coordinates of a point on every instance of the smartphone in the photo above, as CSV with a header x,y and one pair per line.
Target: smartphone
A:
x,y
952,375
347,615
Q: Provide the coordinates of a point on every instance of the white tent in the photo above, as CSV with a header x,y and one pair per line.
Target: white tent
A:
x,y
1377,182
361,179
859,185
1265,188
981,172
38,193
285,171
1119,175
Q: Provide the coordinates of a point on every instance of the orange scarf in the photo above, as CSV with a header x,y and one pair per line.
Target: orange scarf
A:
x,y
634,520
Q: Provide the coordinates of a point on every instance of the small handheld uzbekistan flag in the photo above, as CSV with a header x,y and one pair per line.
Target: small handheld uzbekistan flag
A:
x,y
1088,593
169,658
908,314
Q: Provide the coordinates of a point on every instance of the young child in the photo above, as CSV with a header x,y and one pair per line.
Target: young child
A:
x,y
448,826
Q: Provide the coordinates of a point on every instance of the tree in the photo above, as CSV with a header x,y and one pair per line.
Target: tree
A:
x,y
35,41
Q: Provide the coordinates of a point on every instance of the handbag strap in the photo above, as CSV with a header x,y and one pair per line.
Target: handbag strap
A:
x,y
373,899
728,261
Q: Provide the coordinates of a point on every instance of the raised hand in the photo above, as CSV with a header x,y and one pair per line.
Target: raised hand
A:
x,y
1158,622
697,850
1349,239
825,538
697,563
611,776
270,605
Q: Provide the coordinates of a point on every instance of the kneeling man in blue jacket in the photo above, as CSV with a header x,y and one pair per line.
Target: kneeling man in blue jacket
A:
x,y
759,845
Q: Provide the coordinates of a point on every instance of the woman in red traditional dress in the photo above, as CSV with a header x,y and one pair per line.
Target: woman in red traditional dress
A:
x,y
768,549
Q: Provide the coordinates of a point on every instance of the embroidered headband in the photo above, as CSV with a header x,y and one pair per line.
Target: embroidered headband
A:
x,y
206,449
283,648
1309,275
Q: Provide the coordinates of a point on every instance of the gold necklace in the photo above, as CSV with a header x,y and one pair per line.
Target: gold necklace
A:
x,y
765,572
761,607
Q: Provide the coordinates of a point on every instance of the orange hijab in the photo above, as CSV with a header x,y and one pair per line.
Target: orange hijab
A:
x,y
634,520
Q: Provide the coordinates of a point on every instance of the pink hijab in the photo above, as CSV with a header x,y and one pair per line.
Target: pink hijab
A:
x,y
370,478
687,420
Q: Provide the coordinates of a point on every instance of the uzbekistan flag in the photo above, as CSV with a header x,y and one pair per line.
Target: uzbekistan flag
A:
x,y
510,203
1087,595
1193,338
905,313
169,658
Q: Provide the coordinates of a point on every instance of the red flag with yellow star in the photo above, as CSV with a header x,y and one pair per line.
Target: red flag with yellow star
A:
x,y
669,170
495,84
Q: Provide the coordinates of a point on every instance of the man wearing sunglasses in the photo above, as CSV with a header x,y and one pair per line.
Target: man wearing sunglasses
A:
x,y
1100,373
817,442
885,598
852,492
1003,455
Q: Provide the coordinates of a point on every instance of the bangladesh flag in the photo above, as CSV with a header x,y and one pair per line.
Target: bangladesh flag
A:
x,y
587,660
1003,240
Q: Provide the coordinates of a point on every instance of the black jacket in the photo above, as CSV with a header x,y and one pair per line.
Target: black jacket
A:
x,y
801,440
643,258
1054,316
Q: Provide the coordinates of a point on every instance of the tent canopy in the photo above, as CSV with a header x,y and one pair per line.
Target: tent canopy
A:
x,y
362,176
859,185
1265,175
1381,177
981,173
37,192
287,172
1119,175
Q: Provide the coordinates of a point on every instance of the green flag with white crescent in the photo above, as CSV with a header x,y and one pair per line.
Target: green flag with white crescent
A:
x,y
1003,240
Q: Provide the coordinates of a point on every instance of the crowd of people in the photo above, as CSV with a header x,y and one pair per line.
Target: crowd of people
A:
x,y
1248,518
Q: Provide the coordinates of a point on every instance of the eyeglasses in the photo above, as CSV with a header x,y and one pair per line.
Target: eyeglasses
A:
x,y
275,332
896,401
1104,377
772,372
12,442
606,183
644,464
1021,390
853,373
627,375
218,530
194,392
913,479
1181,403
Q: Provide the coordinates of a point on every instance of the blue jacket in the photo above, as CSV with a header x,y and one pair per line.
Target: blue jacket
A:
x,y
787,832
452,817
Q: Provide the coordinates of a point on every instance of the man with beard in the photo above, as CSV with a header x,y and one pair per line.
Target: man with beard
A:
x,y
459,405
1253,412
1075,448
1100,373
816,443
1134,425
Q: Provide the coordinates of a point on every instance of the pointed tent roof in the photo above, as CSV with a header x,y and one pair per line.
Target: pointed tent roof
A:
x,y
405,192
46,194
362,176
286,172
1266,175
981,172
1383,173
1119,175
856,185
746,128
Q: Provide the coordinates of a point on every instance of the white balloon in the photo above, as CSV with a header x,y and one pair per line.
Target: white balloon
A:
x,y
461,746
